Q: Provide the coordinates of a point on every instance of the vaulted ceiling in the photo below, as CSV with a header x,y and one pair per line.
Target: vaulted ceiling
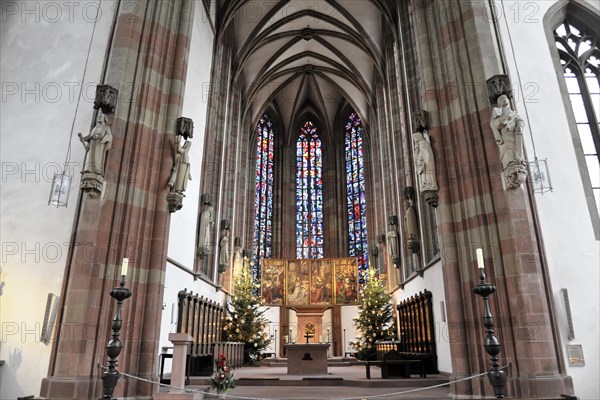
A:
x,y
308,56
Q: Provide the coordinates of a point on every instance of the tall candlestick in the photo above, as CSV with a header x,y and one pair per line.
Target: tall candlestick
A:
x,y
479,253
124,266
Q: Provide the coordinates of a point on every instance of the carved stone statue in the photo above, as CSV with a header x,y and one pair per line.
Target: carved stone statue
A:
x,y
425,162
507,127
206,223
410,227
97,144
180,174
392,245
224,250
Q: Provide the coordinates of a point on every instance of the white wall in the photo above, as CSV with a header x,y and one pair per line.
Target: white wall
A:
x,y
432,280
44,47
571,248
182,233
351,333
272,315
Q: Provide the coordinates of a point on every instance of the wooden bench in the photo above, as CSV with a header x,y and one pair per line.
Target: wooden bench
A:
x,y
404,371
394,363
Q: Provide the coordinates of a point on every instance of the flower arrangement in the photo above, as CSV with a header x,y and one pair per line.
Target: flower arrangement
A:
x,y
222,379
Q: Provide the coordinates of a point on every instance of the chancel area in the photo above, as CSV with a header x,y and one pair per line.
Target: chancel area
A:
x,y
352,194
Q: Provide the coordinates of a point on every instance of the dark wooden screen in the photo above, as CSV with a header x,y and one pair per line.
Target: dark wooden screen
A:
x,y
201,319
417,335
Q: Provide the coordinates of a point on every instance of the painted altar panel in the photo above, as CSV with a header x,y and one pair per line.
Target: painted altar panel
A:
x,y
273,282
298,275
308,282
321,283
346,281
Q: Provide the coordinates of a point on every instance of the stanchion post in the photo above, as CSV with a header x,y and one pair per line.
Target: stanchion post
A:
x,y
492,346
111,376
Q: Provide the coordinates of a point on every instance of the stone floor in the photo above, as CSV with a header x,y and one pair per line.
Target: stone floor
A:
x,y
342,383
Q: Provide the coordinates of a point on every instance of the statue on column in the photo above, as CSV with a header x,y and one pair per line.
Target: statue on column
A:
x,y
181,171
180,174
424,158
393,241
96,144
206,223
224,251
507,127
425,163
410,227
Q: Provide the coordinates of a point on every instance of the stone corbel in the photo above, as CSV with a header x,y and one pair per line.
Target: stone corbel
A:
x,y
498,85
185,127
92,183
421,121
106,98
175,201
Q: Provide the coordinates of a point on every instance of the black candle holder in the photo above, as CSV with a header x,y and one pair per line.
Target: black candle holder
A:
x,y
111,376
496,376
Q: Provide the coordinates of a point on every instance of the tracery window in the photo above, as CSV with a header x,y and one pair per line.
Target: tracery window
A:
x,y
263,204
580,58
355,193
309,193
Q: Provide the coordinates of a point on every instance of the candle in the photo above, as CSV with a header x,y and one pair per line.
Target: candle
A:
x,y
124,267
479,253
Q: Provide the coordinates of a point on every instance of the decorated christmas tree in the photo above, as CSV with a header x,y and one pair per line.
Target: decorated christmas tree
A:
x,y
245,322
375,320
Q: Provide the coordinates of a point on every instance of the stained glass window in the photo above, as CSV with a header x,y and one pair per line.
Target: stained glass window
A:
x,y
263,204
309,194
355,194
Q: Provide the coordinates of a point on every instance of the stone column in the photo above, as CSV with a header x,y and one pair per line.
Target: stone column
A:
x,y
147,63
456,54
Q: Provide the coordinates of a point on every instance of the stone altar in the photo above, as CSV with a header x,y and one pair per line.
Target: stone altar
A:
x,y
307,359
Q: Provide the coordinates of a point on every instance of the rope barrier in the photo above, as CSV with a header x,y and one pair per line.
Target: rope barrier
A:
x,y
377,396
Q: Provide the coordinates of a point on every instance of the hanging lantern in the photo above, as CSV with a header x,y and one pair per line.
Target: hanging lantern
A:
x,y
59,194
540,176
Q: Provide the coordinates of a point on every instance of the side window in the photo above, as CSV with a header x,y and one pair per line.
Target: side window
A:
x,y
580,60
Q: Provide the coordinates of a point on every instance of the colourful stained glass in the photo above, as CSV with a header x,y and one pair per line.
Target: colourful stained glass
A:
x,y
309,194
263,204
355,194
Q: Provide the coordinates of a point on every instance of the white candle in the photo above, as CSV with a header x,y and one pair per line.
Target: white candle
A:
x,y
479,253
124,266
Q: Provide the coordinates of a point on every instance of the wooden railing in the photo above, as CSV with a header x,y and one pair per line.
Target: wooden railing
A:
x,y
201,319
234,351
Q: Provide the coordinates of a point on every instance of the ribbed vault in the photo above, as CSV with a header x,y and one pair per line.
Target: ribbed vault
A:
x,y
307,56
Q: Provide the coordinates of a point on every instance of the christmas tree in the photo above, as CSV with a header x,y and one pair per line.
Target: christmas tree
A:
x,y
375,320
245,321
